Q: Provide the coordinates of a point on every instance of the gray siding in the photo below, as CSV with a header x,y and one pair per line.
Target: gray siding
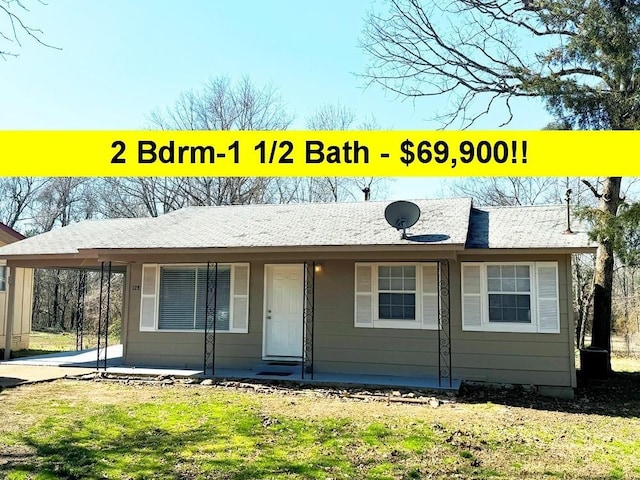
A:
x,y
522,358
541,359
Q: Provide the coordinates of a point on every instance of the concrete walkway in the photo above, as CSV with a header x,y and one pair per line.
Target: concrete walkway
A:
x,y
13,375
52,366
83,358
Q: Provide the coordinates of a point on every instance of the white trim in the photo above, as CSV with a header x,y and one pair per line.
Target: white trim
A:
x,y
153,295
233,296
3,278
418,323
557,297
507,327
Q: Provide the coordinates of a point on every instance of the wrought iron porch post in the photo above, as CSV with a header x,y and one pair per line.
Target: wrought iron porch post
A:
x,y
100,316
210,315
82,287
107,316
104,307
444,325
308,318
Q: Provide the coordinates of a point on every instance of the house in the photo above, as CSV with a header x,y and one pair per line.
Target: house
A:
x,y
471,293
20,309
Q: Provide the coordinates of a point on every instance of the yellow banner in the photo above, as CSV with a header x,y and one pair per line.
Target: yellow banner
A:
x,y
311,153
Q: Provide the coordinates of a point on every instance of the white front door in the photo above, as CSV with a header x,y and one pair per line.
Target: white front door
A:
x,y
283,311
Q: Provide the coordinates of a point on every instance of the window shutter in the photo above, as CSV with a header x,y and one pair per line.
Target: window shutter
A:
x,y
364,295
240,306
148,297
430,311
548,308
471,297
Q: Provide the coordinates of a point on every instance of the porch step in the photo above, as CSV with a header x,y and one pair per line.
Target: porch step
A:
x,y
277,366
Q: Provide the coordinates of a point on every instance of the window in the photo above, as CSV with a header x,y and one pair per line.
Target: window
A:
x,y
396,295
183,297
3,278
174,297
397,292
509,290
510,297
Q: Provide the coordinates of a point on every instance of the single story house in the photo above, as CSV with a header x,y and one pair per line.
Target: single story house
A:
x,y
471,293
19,329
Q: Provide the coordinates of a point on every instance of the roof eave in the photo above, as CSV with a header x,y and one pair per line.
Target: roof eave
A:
x,y
529,250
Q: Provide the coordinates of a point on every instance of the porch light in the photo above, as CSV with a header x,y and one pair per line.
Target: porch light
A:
x,y
318,268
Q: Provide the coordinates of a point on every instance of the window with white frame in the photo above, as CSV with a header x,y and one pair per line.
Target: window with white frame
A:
x,y
396,295
509,292
3,278
510,297
397,292
174,297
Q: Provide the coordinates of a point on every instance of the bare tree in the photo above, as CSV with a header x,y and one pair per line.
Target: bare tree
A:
x,y
512,191
222,104
17,195
62,201
207,191
336,116
331,116
226,105
13,26
142,196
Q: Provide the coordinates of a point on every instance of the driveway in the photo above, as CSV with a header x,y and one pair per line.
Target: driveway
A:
x,y
52,366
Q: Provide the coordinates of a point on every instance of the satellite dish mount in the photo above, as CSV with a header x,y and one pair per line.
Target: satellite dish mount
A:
x,y
402,215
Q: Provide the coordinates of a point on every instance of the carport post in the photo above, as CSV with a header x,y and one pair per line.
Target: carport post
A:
x,y
8,319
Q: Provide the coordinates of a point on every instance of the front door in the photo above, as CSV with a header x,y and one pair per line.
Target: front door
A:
x,y
283,311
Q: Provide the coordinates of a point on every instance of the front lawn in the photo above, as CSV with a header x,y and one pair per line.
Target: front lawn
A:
x,y
70,429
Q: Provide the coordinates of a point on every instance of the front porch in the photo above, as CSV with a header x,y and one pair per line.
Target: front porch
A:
x,y
87,358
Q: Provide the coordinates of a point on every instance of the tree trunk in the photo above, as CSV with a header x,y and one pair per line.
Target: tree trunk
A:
x,y
603,275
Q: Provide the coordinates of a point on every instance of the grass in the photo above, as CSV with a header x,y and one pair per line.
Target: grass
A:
x,y
71,430
625,364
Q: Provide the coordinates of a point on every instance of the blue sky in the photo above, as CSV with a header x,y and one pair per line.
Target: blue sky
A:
x,y
121,59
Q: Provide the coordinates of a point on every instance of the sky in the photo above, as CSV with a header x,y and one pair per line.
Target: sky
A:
x,y
119,60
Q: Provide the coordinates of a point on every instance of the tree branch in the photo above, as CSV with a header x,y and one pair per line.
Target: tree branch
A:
x,y
592,188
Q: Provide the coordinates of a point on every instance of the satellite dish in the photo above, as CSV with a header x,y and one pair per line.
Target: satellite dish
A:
x,y
402,215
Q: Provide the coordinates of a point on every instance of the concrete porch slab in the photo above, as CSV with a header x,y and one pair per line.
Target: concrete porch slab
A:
x,y
81,358
86,359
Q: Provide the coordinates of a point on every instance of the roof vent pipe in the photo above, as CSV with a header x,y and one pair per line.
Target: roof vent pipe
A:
x,y
568,198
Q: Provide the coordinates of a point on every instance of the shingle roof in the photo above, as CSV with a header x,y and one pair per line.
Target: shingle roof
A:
x,y
8,234
442,222
524,227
